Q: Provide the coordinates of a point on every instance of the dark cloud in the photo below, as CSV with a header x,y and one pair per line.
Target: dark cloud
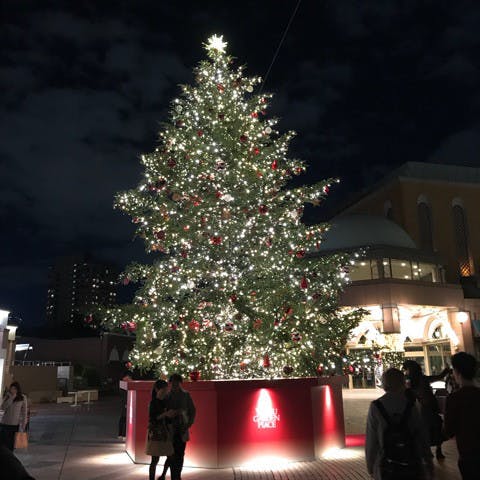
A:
x,y
367,85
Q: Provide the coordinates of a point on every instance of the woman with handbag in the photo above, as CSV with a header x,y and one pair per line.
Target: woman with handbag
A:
x,y
14,419
159,437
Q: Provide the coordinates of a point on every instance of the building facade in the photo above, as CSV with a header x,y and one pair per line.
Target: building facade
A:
x,y
75,285
415,244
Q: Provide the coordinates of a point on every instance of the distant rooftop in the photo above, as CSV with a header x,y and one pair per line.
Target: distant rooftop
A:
x,y
436,171
419,171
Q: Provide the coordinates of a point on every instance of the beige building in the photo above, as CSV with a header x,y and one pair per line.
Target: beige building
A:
x,y
416,237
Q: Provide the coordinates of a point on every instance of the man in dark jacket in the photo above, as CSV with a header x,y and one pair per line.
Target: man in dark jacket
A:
x,y
462,415
180,401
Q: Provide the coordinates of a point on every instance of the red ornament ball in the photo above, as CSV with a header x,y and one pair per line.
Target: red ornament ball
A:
x,y
171,162
216,240
129,326
243,138
126,281
274,165
266,361
256,150
254,115
296,337
129,365
233,298
89,318
160,235
200,133
263,209
194,325
229,326
304,283
320,370
287,369
220,87
300,254
194,376
257,323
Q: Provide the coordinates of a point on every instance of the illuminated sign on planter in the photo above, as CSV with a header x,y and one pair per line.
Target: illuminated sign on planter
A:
x,y
266,415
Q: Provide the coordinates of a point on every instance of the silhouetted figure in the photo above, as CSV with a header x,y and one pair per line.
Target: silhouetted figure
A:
x,y
462,415
420,389
10,466
181,402
159,433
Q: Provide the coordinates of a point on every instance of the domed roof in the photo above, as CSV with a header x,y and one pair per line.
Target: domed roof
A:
x,y
359,230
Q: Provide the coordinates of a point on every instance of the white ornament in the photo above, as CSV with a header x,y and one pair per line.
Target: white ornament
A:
x,y
227,198
249,89
268,130
216,43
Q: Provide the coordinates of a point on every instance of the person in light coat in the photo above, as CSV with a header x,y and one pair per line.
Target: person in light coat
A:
x,y
15,416
395,403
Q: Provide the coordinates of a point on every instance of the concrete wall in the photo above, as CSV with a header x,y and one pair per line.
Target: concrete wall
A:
x,y
92,352
38,383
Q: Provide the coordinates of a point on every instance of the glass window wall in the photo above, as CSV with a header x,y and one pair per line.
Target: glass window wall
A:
x,y
371,269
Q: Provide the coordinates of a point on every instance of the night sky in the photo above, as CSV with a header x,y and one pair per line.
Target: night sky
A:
x,y
367,85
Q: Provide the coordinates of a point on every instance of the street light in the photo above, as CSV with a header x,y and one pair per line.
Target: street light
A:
x,y
462,317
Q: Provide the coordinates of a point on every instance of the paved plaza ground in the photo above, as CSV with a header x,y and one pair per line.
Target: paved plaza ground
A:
x,y
80,443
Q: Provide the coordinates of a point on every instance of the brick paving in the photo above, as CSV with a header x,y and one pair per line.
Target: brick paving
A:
x,y
77,444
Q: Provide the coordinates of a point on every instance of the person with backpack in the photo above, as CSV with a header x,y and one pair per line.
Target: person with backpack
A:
x,y
396,445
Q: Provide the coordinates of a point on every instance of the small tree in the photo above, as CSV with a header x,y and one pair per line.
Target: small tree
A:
x,y
235,291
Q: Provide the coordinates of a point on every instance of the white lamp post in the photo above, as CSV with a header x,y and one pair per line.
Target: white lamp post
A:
x,y
3,345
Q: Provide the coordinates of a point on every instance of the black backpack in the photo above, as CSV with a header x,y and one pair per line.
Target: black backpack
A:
x,y
399,459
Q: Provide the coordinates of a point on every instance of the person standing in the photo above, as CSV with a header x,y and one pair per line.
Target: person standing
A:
x,y
462,415
181,402
420,389
122,421
158,432
396,445
14,419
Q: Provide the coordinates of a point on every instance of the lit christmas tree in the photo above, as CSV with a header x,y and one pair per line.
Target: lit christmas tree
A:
x,y
236,290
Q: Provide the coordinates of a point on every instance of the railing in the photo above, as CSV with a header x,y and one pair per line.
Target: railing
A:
x,y
34,363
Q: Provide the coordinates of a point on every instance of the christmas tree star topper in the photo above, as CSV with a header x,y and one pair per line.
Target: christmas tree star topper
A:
x,y
216,43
